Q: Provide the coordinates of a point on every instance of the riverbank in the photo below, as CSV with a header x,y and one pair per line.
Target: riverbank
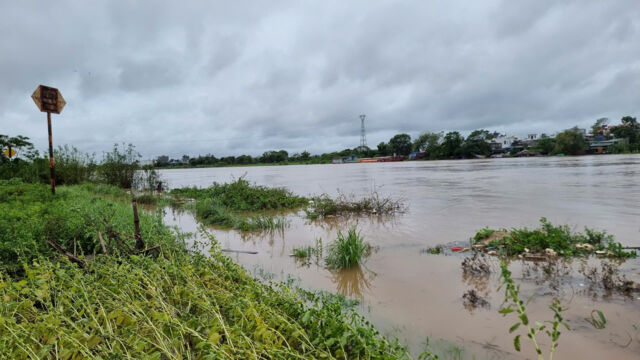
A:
x,y
172,302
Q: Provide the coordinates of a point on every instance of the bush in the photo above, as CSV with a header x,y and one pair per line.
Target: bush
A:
x,y
72,166
119,166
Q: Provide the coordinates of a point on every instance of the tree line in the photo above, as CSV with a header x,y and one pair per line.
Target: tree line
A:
x,y
439,146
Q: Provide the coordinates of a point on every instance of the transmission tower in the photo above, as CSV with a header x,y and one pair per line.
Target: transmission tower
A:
x,y
363,137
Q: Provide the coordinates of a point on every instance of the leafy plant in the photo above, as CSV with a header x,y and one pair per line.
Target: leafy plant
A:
x,y
512,303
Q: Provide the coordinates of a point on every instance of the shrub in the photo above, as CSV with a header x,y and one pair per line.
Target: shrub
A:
x,y
119,166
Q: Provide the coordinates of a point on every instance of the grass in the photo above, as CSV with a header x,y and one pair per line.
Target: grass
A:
x,y
347,250
243,196
324,206
233,205
175,305
433,250
306,253
558,238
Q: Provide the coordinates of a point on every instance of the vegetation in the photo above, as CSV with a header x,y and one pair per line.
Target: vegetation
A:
x,y
570,142
176,304
233,205
324,206
307,253
512,303
560,239
347,250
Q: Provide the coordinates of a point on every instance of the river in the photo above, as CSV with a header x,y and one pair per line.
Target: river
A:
x,y
417,297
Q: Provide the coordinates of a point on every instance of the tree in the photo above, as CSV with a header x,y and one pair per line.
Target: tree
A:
x,y
596,129
400,144
305,155
476,143
383,149
451,145
546,145
20,144
630,121
570,142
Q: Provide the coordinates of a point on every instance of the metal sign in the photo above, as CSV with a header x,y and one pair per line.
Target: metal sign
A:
x,y
48,99
10,153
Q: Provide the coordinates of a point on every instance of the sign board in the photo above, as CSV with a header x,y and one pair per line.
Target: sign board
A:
x,y
48,99
10,153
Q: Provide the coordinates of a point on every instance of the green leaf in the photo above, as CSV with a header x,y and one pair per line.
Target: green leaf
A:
x,y
514,327
524,318
505,311
516,342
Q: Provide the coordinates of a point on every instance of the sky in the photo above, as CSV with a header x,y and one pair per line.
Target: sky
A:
x,y
243,77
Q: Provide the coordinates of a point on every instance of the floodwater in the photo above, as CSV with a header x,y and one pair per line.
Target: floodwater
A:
x,y
418,297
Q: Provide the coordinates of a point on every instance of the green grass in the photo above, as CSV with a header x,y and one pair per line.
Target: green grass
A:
x,y
176,305
234,205
241,195
347,250
559,238
306,253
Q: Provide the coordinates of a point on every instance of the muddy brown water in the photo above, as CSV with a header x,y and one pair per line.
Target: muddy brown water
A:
x,y
418,297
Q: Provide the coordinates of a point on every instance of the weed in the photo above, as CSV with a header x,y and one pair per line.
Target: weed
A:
x,y
433,250
347,250
324,206
552,239
514,304
600,322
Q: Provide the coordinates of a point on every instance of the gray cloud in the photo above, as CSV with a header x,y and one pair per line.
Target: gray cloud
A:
x,y
244,77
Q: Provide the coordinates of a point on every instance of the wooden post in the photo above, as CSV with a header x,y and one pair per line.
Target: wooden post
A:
x,y
52,168
136,224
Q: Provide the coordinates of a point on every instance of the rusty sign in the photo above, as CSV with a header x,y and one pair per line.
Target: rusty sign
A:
x,y
48,99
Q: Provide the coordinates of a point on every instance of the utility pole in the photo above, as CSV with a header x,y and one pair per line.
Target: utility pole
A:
x,y
363,137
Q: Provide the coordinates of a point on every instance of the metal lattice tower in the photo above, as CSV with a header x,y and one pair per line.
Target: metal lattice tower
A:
x,y
363,137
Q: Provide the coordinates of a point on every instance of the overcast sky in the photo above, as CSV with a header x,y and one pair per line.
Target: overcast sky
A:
x,y
233,77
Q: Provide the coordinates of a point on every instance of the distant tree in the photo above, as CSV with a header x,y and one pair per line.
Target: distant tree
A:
x,y
20,144
384,149
570,142
400,144
545,145
629,121
476,143
596,128
305,155
451,145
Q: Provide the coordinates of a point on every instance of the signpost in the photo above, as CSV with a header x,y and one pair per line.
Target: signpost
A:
x,y
49,100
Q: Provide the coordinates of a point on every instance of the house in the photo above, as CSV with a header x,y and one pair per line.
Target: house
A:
x,y
602,146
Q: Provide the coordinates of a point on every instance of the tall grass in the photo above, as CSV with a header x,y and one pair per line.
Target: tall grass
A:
x,y
347,250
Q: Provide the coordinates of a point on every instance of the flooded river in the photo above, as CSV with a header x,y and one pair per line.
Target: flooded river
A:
x,y
418,297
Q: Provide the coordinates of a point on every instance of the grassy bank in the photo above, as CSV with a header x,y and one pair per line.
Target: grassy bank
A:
x,y
175,304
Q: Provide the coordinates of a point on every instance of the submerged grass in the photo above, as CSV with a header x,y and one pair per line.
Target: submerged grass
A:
x,y
231,205
560,239
177,305
347,250
324,206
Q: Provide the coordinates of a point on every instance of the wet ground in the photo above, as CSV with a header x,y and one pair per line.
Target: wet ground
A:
x,y
417,296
